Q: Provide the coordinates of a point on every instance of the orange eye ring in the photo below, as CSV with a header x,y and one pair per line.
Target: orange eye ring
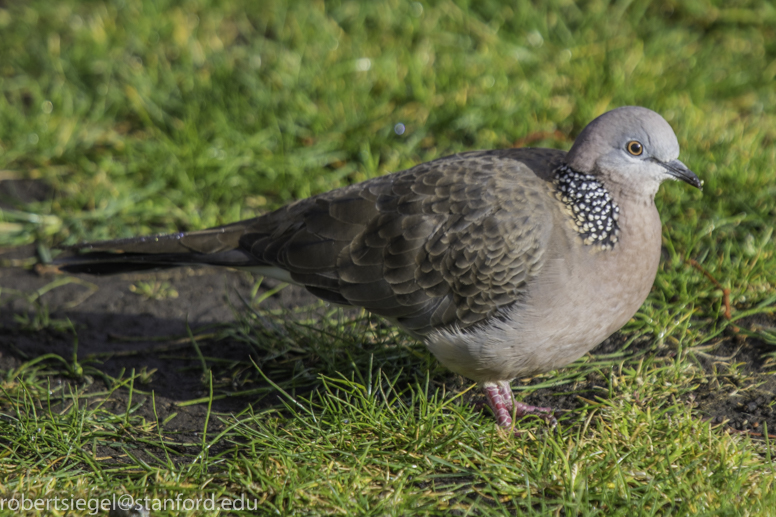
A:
x,y
634,147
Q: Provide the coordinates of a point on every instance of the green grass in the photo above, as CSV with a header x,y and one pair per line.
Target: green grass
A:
x,y
160,116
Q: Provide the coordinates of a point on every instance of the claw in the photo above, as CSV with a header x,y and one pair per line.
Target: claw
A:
x,y
501,401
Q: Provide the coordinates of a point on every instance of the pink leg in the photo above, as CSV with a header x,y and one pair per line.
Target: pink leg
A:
x,y
506,393
493,392
502,403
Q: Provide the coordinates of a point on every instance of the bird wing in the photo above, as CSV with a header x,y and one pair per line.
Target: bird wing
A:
x,y
450,241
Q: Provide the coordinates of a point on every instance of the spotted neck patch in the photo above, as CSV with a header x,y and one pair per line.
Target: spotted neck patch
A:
x,y
590,206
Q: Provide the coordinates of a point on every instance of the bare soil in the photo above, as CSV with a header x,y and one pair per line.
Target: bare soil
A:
x,y
105,313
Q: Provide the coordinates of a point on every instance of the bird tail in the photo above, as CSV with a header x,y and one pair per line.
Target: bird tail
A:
x,y
109,263
214,247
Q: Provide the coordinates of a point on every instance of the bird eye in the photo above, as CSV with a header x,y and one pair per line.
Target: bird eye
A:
x,y
634,147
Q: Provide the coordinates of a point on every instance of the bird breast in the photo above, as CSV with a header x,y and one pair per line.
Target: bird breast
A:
x,y
582,295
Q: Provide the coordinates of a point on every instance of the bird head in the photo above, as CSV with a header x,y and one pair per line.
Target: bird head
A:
x,y
630,149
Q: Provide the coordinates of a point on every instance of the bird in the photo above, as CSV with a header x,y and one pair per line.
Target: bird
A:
x,y
506,263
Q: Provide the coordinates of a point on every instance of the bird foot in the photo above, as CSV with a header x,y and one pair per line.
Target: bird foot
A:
x,y
502,403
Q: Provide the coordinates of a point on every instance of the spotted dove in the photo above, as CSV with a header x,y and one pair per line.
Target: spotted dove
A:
x,y
507,263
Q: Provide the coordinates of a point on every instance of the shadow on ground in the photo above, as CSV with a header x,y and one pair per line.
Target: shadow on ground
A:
x,y
119,326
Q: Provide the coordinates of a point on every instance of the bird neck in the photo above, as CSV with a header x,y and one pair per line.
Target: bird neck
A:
x,y
590,206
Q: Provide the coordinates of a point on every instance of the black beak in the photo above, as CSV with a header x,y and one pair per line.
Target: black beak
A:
x,y
680,171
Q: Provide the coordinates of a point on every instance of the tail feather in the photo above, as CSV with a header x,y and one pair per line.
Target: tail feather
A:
x,y
211,240
214,246
108,263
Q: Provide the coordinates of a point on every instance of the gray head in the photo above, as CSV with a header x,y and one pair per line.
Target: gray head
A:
x,y
632,148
